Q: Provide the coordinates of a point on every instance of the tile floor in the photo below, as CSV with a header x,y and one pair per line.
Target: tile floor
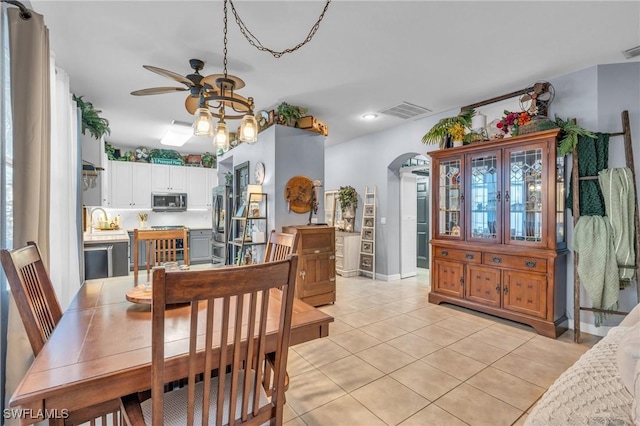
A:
x,y
393,358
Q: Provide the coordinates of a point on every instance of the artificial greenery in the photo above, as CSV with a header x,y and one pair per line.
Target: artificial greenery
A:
x,y
569,135
165,153
91,120
208,160
443,127
110,151
228,178
348,197
290,113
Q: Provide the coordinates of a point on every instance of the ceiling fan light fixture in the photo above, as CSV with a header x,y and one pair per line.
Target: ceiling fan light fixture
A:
x,y
249,129
221,137
203,122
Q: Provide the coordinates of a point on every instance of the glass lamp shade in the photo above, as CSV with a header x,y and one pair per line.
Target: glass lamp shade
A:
x,y
221,136
203,122
249,129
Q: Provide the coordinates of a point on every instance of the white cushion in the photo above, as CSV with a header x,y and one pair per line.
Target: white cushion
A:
x,y
635,411
632,317
175,403
628,356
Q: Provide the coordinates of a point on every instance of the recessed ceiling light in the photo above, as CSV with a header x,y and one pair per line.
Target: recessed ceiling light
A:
x,y
370,116
177,134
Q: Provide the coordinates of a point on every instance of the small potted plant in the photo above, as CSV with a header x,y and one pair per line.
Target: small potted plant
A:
x,y
288,115
348,198
91,120
449,125
208,160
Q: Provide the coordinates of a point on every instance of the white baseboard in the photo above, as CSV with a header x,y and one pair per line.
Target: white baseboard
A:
x,y
591,329
408,275
393,277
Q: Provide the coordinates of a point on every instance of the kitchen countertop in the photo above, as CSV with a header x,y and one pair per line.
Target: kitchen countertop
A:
x,y
98,237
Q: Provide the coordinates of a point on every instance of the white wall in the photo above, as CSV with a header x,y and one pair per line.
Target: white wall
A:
x,y
595,97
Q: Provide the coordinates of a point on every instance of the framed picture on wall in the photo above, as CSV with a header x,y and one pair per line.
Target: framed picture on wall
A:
x,y
368,211
367,234
368,222
367,247
366,262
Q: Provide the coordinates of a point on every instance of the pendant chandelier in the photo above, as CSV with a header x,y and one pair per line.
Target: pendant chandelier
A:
x,y
218,97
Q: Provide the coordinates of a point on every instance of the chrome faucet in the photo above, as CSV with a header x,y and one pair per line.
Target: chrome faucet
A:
x,y
106,217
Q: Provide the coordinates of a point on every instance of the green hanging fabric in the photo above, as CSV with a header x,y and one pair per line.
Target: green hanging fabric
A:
x,y
593,156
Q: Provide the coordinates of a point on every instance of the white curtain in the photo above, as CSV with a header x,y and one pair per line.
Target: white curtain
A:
x,y
64,203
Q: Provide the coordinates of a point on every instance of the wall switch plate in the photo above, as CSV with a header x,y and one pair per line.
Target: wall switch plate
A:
x,y
383,220
314,220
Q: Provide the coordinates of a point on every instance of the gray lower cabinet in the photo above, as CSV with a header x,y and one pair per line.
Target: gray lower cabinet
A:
x,y
142,253
199,246
105,259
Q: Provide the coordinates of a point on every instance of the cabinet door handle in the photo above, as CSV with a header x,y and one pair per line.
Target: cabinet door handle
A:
x,y
316,251
444,253
497,259
462,281
302,274
530,264
498,288
506,196
332,257
462,198
506,289
469,256
498,196
332,279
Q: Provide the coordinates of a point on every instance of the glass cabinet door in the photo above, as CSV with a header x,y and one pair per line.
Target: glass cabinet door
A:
x,y
484,197
449,198
525,195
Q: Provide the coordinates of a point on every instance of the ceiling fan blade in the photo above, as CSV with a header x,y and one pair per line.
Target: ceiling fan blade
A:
x,y
191,104
525,98
544,96
177,77
158,91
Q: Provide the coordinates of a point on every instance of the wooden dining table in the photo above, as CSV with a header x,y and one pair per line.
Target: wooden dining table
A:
x,y
101,349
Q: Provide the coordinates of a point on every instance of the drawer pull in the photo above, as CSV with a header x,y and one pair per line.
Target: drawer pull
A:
x,y
530,264
497,259
332,279
316,251
444,253
469,256
498,288
332,257
506,289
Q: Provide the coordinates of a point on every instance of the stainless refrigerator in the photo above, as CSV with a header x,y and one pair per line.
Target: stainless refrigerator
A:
x,y
221,218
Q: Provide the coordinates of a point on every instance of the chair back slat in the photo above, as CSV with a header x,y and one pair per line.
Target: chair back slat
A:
x,y
237,301
161,246
33,293
279,246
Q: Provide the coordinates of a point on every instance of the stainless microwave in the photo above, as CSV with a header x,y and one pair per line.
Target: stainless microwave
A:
x,y
168,202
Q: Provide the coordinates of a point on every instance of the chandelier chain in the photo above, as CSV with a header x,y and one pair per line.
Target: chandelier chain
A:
x,y
253,40
225,38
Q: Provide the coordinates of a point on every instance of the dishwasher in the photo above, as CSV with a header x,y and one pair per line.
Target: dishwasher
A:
x,y
105,260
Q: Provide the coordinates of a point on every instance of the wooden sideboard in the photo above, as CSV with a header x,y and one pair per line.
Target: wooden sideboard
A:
x,y
498,236
316,282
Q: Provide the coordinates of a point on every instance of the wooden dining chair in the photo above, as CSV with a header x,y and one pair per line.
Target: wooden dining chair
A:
x,y
279,246
160,246
40,313
248,328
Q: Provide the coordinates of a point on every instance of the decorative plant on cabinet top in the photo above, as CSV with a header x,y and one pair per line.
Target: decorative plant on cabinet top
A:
x,y
91,120
289,114
445,126
348,198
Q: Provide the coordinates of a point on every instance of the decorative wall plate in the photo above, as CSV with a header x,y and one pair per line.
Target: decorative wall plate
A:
x,y
259,173
298,193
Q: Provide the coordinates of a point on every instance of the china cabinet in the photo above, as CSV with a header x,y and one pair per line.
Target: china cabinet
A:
x,y
498,236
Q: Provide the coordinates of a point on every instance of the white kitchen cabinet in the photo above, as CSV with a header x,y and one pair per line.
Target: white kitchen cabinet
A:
x,y
200,182
130,185
347,249
168,178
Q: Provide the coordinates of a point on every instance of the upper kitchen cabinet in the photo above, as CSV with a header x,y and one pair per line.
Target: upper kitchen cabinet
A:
x,y
168,178
499,230
200,183
130,185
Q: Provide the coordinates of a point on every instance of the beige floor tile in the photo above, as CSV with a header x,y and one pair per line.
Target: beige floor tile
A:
x,y
521,420
383,331
549,352
497,338
415,346
453,363
506,387
343,411
587,340
426,380
322,351
474,316
380,313
295,422
439,335
431,314
358,319
478,350
406,322
404,305
433,415
289,413
515,329
462,324
296,364
339,308
531,371
390,400
311,390
355,340
351,372
338,327
478,408
385,358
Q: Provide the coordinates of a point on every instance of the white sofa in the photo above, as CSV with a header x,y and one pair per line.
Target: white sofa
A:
x,y
602,387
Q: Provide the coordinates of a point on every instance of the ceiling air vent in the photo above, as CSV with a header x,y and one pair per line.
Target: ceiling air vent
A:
x,y
631,53
405,110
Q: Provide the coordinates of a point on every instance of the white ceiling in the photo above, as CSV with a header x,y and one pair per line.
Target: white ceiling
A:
x,y
366,56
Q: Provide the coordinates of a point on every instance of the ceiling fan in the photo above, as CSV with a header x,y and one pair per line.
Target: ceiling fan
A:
x,y
193,84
